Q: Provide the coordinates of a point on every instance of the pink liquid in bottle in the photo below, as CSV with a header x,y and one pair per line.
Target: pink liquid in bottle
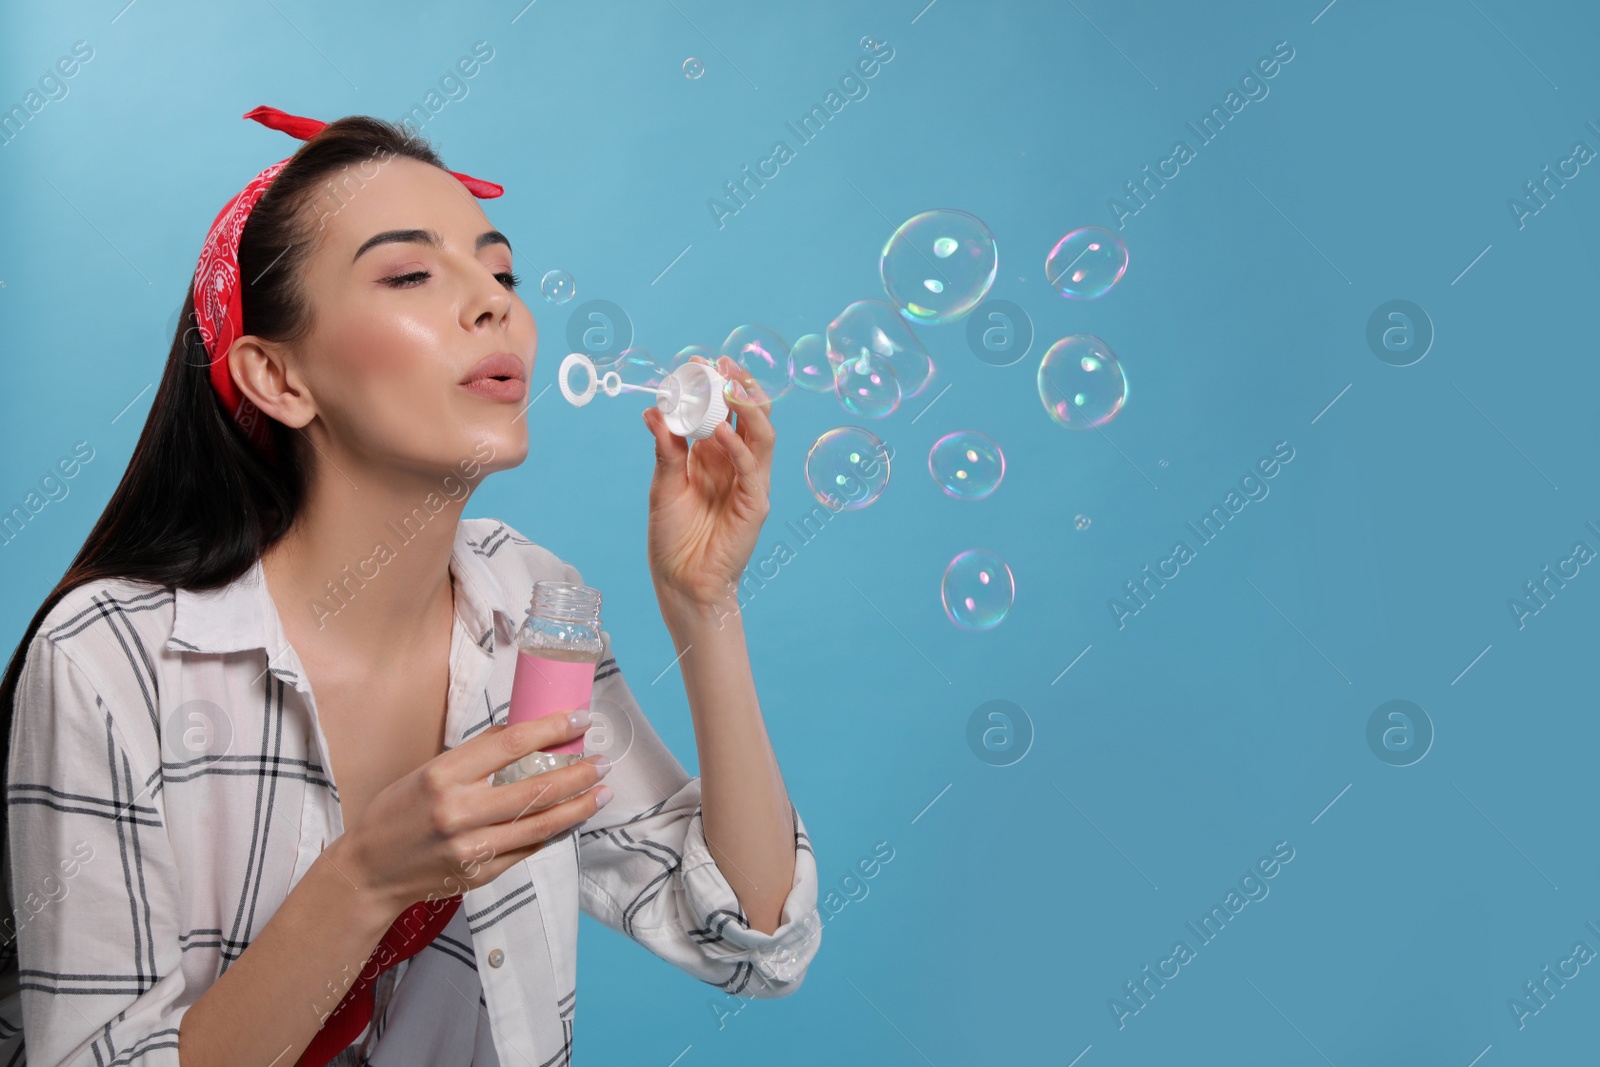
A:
x,y
558,648
546,686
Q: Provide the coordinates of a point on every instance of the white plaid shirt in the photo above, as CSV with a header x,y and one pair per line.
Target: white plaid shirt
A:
x,y
139,870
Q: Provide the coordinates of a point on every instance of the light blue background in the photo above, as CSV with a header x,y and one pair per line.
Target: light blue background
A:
x,y
1225,716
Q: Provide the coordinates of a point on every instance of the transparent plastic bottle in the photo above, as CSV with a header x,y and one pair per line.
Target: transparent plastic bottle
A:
x,y
558,647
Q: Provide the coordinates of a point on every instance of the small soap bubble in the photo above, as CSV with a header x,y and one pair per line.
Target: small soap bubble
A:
x,y
558,286
939,265
1164,463
813,367
847,468
1081,522
870,44
978,590
765,355
1081,382
693,68
875,327
968,465
867,386
1086,263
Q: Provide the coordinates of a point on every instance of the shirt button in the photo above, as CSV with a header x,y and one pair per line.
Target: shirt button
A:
x,y
496,958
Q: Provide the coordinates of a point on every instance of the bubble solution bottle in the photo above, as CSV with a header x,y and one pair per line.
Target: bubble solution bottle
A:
x,y
558,647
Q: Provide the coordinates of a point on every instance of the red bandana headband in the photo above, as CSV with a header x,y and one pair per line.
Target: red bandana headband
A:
x,y
217,305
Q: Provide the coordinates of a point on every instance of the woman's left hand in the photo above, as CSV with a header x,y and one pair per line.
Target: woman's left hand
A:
x,y
707,502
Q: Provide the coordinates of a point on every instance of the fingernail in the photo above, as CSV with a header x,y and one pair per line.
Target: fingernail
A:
x,y
602,797
579,719
602,766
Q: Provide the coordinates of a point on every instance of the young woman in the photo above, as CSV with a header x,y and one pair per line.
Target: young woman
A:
x,y
252,730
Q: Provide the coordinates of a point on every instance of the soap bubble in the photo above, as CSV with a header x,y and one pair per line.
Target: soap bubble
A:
x,y
1086,263
867,386
765,355
938,265
636,367
870,43
968,465
693,68
558,286
813,367
847,468
1081,382
688,352
978,589
875,327
1081,522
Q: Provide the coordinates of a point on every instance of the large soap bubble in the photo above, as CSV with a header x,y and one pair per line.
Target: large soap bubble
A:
x,y
1081,382
968,465
1086,263
762,352
812,367
876,328
978,590
867,386
847,468
939,265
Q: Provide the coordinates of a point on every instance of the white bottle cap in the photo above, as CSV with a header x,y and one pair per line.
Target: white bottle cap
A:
x,y
692,401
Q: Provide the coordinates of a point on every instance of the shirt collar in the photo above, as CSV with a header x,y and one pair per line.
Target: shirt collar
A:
x,y
241,615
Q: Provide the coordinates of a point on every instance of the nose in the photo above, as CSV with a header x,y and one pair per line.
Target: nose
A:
x,y
488,304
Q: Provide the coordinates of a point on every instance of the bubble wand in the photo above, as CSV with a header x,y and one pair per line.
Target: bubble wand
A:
x,y
691,398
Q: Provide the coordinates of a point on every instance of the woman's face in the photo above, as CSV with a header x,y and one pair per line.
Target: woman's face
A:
x,y
409,291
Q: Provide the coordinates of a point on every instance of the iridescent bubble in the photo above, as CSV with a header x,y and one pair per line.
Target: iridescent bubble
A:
x,y
813,367
636,367
558,286
764,354
968,465
1081,522
873,326
693,68
847,468
978,589
688,352
1081,382
870,43
1086,263
939,265
867,386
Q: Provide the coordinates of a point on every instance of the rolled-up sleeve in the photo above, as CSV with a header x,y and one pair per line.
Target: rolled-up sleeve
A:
x,y
93,881
645,868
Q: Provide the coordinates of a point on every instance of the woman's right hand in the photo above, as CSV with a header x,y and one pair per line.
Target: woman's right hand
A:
x,y
444,828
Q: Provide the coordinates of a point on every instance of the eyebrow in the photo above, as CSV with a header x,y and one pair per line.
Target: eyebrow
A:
x,y
429,238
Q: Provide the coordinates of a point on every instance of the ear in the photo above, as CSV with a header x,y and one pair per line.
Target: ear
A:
x,y
261,371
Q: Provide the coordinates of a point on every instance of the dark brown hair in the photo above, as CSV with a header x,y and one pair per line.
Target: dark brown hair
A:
x,y
198,504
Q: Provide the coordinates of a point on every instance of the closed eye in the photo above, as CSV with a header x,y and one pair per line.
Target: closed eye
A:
x,y
408,281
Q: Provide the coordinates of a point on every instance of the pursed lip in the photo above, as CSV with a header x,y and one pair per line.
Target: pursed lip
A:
x,y
499,365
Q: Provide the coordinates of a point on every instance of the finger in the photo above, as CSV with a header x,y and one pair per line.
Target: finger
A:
x,y
757,396
672,452
502,744
755,419
534,829
727,439
520,800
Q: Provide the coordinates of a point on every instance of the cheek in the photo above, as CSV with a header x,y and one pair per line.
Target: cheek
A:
x,y
381,366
